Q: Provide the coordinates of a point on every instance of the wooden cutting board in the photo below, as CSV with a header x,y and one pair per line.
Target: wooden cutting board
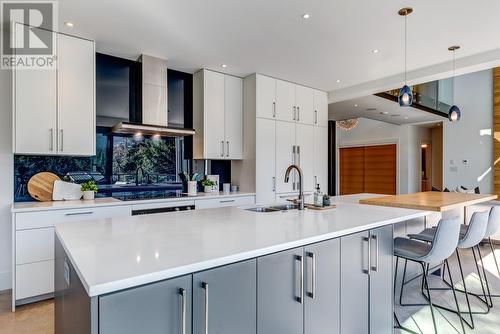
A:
x,y
41,186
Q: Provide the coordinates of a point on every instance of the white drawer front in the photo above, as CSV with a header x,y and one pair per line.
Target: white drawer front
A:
x,y
34,245
34,279
223,202
40,219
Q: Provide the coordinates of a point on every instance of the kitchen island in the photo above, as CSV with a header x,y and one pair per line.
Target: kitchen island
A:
x,y
229,270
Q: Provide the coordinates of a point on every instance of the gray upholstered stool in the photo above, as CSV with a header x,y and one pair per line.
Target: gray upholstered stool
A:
x,y
470,237
444,243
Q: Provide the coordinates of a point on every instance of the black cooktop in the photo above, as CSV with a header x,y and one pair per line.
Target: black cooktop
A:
x,y
144,195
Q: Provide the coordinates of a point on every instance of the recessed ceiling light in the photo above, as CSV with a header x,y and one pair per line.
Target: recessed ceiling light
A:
x,y
384,113
69,24
375,51
406,117
356,105
223,66
306,16
337,81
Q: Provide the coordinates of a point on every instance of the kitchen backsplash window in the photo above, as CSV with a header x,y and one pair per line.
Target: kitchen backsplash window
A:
x,y
119,161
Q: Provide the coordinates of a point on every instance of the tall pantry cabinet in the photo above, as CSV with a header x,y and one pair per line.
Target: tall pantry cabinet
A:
x,y
285,123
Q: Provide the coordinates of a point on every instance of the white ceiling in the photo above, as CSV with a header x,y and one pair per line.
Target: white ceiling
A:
x,y
395,114
270,37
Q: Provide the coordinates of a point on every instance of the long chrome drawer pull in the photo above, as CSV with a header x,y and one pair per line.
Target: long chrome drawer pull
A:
x,y
300,297
204,285
79,213
182,292
312,293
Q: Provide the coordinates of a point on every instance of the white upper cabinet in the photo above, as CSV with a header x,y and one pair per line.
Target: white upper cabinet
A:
x,y
304,105
213,127
321,157
285,101
233,121
265,154
266,97
320,108
76,100
35,105
286,155
54,110
305,154
217,116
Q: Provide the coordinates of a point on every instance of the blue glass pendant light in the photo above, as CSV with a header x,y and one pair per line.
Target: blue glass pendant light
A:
x,y
454,113
405,96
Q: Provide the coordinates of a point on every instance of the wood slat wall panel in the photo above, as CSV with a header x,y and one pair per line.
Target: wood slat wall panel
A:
x,y
351,170
496,130
368,169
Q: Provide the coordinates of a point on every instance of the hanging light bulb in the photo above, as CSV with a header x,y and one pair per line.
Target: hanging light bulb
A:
x,y
405,96
454,113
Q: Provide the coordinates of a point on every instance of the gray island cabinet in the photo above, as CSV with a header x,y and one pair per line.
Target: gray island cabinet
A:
x,y
229,271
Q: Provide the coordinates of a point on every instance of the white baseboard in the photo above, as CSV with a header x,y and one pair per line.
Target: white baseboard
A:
x,y
5,280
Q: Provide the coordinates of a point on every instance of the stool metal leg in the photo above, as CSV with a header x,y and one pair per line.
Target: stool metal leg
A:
x,y
485,301
494,256
485,277
471,325
455,296
430,300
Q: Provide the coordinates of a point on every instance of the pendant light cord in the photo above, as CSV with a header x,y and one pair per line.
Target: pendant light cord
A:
x,y
406,15
453,80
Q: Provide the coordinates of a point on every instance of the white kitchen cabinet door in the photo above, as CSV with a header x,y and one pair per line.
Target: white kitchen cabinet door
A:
x,y
285,101
76,102
233,123
213,115
266,97
285,156
35,106
265,155
320,108
304,102
305,144
321,157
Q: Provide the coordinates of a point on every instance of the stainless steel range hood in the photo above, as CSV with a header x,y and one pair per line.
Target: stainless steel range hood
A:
x,y
154,103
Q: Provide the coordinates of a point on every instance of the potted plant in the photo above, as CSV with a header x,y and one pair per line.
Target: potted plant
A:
x,y
89,189
207,184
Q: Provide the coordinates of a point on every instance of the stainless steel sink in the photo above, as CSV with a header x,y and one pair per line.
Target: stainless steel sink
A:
x,y
273,208
262,209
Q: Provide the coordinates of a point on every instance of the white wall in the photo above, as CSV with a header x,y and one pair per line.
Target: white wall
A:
x,y
470,139
6,175
408,139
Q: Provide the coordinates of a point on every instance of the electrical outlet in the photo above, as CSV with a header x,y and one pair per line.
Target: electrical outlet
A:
x,y
454,169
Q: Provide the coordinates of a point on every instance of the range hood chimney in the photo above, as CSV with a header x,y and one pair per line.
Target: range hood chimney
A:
x,y
154,103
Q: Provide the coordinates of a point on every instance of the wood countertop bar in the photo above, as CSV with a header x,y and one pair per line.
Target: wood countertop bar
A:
x,y
430,201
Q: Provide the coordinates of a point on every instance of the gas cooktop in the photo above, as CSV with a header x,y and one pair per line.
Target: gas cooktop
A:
x,y
145,195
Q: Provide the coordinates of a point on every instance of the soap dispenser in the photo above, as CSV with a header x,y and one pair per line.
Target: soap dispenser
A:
x,y
318,197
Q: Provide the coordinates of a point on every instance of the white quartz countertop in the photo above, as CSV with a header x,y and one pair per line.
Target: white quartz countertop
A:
x,y
109,201
119,253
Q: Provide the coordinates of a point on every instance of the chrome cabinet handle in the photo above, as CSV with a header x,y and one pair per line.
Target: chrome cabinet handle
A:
x,y
222,148
375,267
300,297
298,155
62,140
182,292
274,109
79,213
367,270
227,148
227,201
315,117
312,293
51,146
204,285
298,113
294,112
274,184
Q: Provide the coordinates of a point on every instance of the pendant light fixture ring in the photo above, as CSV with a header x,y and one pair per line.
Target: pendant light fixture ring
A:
x,y
454,48
405,11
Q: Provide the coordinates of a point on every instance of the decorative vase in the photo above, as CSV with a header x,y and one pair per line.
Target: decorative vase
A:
x,y
208,189
192,188
88,195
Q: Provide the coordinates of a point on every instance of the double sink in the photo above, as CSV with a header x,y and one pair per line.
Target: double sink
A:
x,y
273,208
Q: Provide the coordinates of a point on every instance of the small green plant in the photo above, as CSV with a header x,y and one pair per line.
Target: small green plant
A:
x,y
207,183
89,186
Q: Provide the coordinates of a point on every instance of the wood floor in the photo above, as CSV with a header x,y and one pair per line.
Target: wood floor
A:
x,y
39,318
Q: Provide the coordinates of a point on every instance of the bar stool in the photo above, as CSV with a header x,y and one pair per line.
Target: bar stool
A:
x,y
470,237
444,243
